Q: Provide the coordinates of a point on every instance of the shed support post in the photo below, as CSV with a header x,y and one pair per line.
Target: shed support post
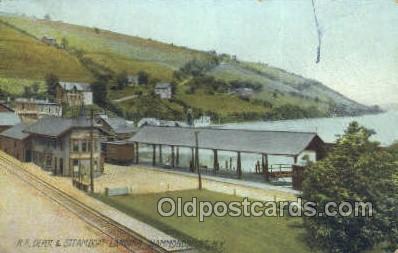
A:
x,y
239,166
264,165
177,156
133,158
192,161
197,162
216,165
172,157
160,154
137,151
154,155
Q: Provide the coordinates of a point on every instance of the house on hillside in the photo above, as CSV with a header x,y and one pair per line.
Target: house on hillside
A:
x,y
62,146
74,94
49,40
202,121
244,92
163,90
8,120
16,143
148,122
119,128
157,122
132,80
33,109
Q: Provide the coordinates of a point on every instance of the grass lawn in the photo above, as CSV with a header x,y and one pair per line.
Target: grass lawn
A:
x,y
237,234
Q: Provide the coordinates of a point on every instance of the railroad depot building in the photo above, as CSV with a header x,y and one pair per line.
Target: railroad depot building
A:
x,y
15,142
62,145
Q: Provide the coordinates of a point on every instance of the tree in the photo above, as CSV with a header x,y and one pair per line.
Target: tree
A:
x,y
27,91
356,170
143,77
122,80
47,17
51,82
190,117
100,92
64,43
36,88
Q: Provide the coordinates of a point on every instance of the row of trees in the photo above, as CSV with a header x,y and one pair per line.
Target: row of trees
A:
x,y
211,84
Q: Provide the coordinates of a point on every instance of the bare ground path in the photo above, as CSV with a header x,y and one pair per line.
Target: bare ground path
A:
x,y
119,100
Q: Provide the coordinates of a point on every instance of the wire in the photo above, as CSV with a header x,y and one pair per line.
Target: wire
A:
x,y
319,33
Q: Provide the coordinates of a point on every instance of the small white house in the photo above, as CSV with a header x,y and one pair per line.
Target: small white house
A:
x,y
74,94
203,121
163,90
148,122
132,80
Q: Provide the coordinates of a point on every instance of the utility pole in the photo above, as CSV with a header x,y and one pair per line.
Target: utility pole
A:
x,y
197,166
91,149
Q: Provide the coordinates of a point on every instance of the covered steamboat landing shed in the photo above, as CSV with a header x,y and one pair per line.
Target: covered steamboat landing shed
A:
x,y
297,145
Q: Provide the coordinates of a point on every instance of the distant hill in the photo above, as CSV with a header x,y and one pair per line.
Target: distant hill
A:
x,y
83,52
390,107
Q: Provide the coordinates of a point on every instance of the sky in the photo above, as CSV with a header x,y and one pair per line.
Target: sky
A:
x,y
359,56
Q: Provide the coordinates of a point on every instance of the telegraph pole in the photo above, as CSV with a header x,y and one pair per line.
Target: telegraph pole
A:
x,y
91,149
197,166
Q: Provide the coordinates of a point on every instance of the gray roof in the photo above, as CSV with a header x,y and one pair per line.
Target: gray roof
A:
x,y
16,132
267,142
7,107
9,119
72,85
162,86
54,127
118,125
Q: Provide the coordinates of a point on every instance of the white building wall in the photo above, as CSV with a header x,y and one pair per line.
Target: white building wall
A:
x,y
88,97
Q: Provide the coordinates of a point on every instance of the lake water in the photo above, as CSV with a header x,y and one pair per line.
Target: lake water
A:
x,y
385,125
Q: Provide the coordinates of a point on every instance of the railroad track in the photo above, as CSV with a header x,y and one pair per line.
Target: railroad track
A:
x,y
119,234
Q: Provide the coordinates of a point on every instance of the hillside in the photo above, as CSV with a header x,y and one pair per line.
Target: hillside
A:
x,y
82,53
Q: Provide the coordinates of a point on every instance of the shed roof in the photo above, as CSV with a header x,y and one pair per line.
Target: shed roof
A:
x,y
267,142
16,132
9,119
54,126
72,85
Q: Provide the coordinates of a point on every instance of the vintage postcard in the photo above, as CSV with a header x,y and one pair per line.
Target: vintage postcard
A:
x,y
199,126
